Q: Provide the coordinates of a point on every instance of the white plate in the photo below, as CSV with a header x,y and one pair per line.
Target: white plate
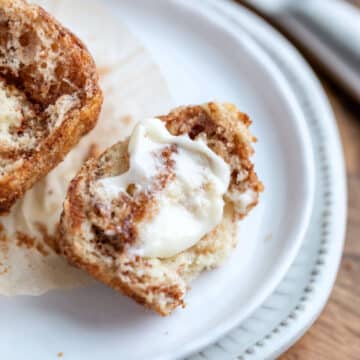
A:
x,y
203,58
299,298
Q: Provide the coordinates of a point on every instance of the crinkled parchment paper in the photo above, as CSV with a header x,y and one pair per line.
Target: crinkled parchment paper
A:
x,y
133,88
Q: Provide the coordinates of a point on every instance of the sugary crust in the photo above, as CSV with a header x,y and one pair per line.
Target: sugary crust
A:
x,y
69,70
161,284
49,153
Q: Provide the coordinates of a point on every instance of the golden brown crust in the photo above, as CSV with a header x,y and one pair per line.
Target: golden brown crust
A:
x,y
76,67
160,284
49,154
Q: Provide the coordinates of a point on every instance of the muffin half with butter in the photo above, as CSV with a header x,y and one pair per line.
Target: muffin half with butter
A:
x,y
154,211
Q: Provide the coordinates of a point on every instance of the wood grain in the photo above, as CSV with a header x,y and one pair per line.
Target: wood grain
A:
x,y
336,334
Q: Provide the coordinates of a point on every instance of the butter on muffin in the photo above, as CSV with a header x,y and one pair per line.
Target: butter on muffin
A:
x,y
154,211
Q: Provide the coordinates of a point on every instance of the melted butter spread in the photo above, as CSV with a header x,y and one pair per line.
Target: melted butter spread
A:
x,y
188,206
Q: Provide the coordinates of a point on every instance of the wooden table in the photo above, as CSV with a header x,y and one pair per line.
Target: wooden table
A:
x,y
336,334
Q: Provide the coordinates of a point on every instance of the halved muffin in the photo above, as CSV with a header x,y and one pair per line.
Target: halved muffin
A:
x,y
154,211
